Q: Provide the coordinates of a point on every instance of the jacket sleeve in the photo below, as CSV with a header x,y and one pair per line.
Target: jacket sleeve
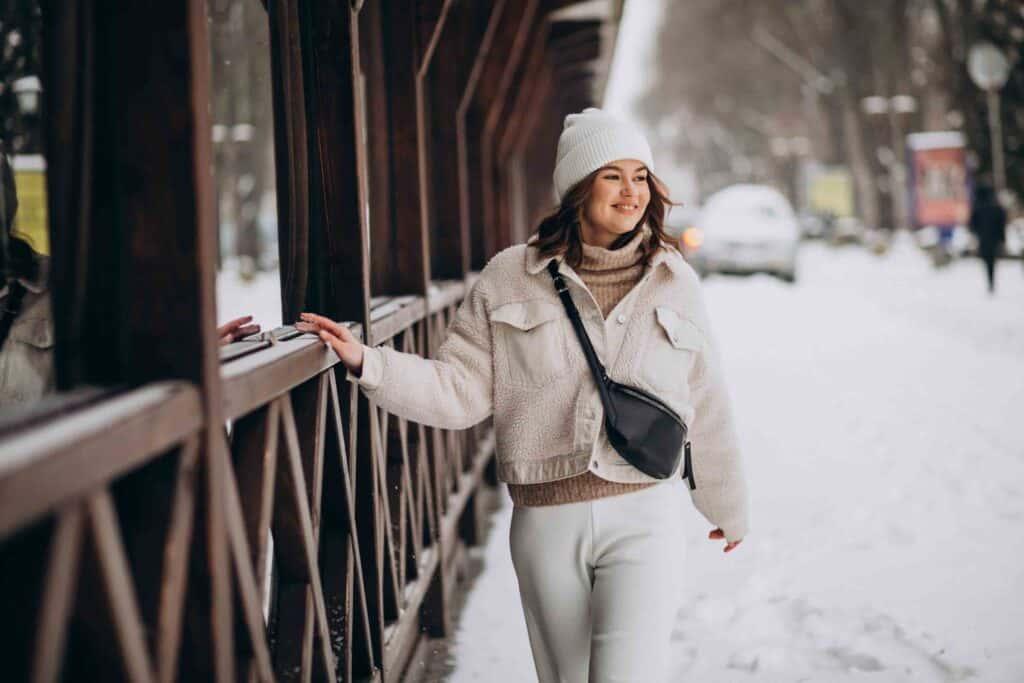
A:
x,y
454,390
721,488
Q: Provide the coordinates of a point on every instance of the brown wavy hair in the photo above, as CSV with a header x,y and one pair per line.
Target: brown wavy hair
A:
x,y
559,232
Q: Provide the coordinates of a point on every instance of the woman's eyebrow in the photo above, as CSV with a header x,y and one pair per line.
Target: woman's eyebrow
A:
x,y
617,168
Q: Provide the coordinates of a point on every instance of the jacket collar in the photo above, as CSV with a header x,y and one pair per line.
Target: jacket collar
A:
x,y
668,256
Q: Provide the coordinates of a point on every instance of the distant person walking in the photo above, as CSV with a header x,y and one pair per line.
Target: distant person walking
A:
x,y
988,223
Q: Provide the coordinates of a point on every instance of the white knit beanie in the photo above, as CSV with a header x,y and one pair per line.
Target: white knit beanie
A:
x,y
591,139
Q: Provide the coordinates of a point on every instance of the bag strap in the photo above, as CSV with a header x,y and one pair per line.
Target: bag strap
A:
x,y
596,368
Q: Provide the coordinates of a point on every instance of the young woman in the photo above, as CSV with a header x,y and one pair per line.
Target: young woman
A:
x,y
597,544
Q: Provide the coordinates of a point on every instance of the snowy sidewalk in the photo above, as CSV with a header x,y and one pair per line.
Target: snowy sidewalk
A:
x,y
881,405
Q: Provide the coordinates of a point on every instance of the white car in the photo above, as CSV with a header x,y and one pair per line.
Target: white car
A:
x,y
746,229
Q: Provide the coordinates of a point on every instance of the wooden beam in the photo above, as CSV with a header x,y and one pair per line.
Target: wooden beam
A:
x,y
291,156
490,161
339,254
468,136
401,258
135,188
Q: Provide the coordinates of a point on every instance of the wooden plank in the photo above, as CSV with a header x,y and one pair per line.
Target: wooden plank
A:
x,y
391,589
441,81
355,588
254,442
430,16
377,67
510,110
42,467
489,159
118,585
528,80
293,467
175,562
293,651
58,591
361,454
388,327
469,481
309,412
402,641
339,264
68,59
291,157
467,135
255,380
405,253
245,575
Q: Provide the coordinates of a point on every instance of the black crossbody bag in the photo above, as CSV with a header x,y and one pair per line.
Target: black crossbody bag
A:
x,y
648,434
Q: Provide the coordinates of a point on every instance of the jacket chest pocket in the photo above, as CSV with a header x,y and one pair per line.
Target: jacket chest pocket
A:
x,y
530,340
672,345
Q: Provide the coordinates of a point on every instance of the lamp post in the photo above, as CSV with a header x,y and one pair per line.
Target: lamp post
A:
x,y
894,107
27,91
989,70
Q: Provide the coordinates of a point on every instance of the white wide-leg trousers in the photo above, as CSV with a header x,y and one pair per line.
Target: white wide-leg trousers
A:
x,y
600,584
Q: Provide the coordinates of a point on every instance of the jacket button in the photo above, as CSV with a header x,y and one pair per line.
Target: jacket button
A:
x,y
593,465
621,319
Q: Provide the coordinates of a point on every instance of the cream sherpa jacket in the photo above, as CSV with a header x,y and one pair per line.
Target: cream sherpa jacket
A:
x,y
511,352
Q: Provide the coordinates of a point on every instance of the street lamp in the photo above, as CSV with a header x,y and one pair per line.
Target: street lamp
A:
x,y
26,90
894,106
989,70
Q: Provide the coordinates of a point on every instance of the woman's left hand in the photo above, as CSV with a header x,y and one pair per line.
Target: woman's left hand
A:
x,y
718,534
236,329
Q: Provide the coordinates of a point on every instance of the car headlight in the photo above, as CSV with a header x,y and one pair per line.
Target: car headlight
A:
x,y
693,238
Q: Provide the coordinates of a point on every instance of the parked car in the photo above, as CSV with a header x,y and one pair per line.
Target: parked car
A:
x,y
680,221
747,229
812,225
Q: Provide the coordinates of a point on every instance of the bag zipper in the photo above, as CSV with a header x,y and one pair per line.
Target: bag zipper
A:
x,y
688,467
687,461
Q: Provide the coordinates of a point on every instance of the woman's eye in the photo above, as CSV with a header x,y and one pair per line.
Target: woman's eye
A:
x,y
611,177
641,179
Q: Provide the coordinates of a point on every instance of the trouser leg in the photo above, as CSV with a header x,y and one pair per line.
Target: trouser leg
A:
x,y
550,552
990,269
638,554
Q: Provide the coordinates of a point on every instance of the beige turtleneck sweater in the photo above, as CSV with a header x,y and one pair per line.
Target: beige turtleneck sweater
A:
x,y
609,275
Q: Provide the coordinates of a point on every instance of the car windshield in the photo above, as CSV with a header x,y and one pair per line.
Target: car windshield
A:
x,y
742,212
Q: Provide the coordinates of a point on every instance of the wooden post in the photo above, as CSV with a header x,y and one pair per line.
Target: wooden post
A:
x,y
134,234
291,158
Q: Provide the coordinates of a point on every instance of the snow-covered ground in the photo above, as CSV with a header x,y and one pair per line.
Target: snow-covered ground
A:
x,y
881,410
259,297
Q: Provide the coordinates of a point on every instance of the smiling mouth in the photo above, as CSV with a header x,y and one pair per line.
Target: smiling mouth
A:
x,y
625,208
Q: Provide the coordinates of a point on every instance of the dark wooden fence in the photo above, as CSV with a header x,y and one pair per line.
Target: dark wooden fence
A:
x,y
187,512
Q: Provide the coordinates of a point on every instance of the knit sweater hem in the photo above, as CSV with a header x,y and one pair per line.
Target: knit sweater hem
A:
x,y
577,489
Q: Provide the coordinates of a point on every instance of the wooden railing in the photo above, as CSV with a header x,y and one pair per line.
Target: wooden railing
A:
x,y
342,521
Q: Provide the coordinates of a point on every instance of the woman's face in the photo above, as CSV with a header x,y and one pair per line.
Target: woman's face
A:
x,y
618,200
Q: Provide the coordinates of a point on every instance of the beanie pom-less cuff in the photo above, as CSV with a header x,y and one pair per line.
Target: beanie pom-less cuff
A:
x,y
593,139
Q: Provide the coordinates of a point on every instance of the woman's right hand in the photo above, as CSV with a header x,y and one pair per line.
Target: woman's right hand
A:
x,y
718,535
338,337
